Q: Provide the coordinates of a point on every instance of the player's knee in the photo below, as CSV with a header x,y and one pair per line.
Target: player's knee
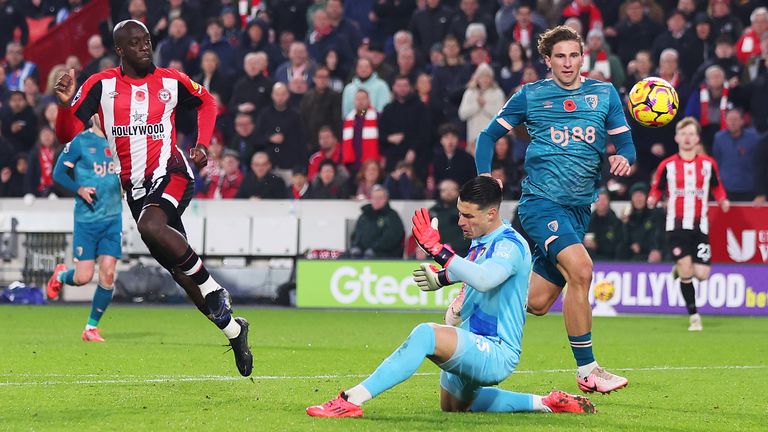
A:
x,y
149,227
422,331
83,276
537,309
701,274
581,277
107,278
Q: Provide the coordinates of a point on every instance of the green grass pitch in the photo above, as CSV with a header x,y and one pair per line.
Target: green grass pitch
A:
x,y
164,368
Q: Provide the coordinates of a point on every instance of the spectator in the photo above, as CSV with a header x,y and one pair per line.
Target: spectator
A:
x,y
289,17
298,64
213,78
638,69
402,184
12,179
300,187
329,150
605,231
252,92
598,57
510,70
255,38
390,17
245,141
32,94
748,45
48,115
230,23
226,182
225,121
328,184
499,174
447,215
324,38
344,27
406,65
374,51
212,169
587,13
297,88
451,162
360,134
450,80
434,110
97,52
524,31
675,36
365,78
179,46
669,71
702,44
504,157
19,123
17,69
635,32
688,8
260,182
4,92
370,175
430,25
378,232
72,6
761,172
215,42
320,107
723,21
482,100
725,57
280,132
403,40
338,76
469,13
151,18
39,178
709,104
402,136
735,149
643,228
756,92
11,21
191,15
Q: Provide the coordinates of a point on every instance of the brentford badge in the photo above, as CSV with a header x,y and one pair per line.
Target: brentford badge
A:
x,y
164,95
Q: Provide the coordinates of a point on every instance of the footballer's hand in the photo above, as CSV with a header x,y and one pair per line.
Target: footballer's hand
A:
x,y
429,277
501,185
453,314
65,88
428,237
619,165
199,156
87,193
725,205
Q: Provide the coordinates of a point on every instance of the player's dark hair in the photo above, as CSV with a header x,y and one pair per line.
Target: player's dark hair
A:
x,y
549,38
483,191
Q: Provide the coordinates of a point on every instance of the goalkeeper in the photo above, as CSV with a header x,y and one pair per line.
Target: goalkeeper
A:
x,y
484,348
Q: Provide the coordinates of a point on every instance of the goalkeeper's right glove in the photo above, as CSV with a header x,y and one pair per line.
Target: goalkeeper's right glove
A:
x,y
429,277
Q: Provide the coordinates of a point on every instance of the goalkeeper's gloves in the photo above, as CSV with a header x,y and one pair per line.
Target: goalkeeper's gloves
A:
x,y
430,278
428,237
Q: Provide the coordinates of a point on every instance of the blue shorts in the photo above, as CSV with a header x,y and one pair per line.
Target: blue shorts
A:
x,y
553,227
478,361
94,239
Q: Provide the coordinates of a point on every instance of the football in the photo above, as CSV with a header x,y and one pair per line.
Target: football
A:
x,y
653,102
604,290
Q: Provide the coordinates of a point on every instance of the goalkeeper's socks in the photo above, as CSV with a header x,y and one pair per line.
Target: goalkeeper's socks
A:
x,y
358,395
101,300
582,348
67,277
492,399
689,295
404,362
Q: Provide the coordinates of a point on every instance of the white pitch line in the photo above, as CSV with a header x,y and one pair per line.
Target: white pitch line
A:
x,y
123,379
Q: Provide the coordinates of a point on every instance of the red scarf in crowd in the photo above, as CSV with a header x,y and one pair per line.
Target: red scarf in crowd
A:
x,y
526,41
46,168
598,62
704,97
370,137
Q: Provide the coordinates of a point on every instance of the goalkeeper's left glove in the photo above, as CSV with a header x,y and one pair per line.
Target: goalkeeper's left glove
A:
x,y
430,278
428,237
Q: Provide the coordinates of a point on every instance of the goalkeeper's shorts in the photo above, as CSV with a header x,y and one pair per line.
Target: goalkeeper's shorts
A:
x,y
478,361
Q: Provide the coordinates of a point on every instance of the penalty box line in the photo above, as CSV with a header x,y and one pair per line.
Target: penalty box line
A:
x,y
134,379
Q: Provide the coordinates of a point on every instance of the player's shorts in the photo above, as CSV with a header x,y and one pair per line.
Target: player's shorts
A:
x,y
693,243
478,361
172,193
94,239
553,227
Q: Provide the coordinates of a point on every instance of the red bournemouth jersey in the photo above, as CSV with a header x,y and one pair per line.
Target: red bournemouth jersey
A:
x,y
138,118
687,184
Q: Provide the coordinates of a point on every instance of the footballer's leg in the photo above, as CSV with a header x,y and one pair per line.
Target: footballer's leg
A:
x,y
102,297
687,272
433,341
542,294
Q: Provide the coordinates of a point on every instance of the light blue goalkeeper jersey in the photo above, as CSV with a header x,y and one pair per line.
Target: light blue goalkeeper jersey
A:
x,y
568,130
93,165
497,313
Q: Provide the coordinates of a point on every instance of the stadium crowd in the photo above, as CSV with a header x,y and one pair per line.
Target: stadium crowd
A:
x,y
332,99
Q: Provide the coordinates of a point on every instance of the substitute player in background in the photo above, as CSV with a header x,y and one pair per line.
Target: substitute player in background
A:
x,y
485,348
687,179
98,220
569,118
136,103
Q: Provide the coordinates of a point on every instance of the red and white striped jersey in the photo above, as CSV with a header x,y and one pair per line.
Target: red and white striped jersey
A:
x,y
138,118
687,184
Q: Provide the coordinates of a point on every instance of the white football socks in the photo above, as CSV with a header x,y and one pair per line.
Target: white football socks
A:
x,y
232,330
358,395
209,286
538,405
587,369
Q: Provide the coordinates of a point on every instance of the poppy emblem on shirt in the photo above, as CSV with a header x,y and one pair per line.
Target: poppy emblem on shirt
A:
x,y
569,105
108,152
164,95
140,96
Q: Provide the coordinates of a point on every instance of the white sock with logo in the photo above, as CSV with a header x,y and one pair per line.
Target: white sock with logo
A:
x,y
358,395
587,369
